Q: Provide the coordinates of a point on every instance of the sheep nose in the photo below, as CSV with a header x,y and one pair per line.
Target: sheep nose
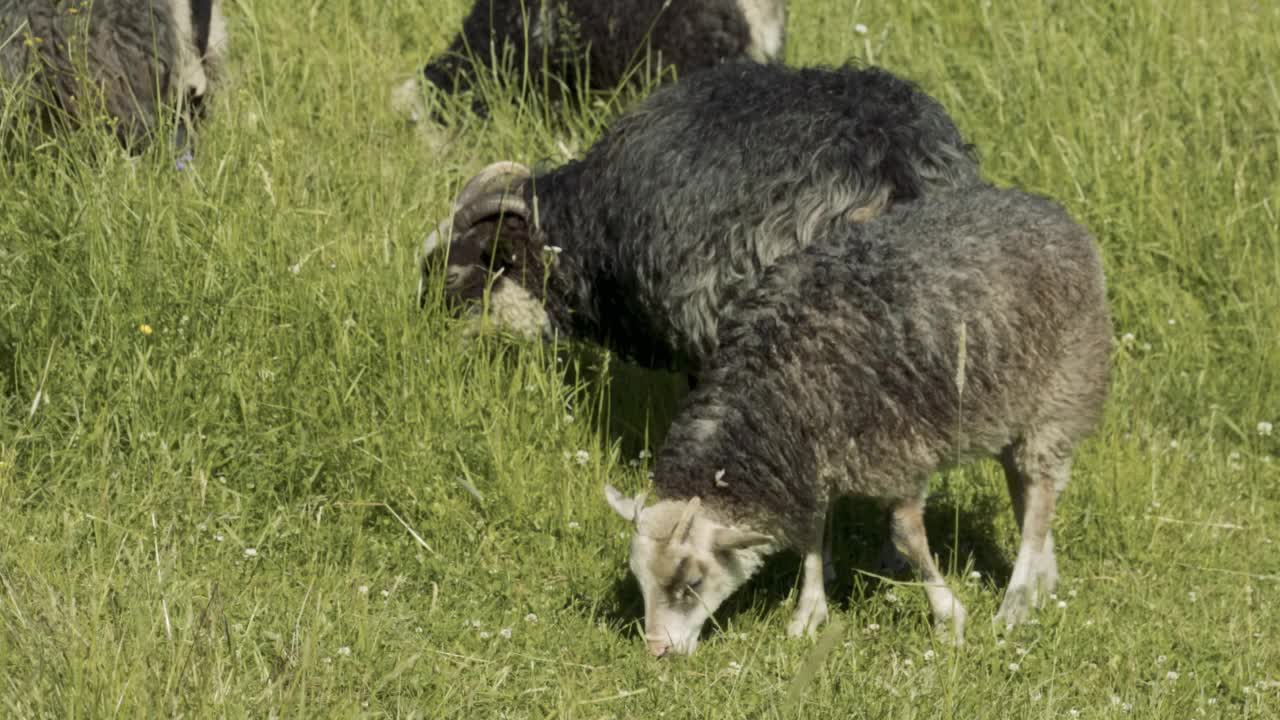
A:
x,y
659,648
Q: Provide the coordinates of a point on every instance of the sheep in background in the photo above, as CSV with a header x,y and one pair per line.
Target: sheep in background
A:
x,y
596,44
686,200
139,55
969,324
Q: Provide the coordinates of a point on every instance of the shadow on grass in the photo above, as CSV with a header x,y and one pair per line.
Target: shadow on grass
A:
x,y
860,529
630,405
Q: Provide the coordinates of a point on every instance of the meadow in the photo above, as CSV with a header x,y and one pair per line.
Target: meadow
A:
x,y
243,474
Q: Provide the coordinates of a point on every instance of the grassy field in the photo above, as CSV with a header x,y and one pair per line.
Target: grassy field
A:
x,y
241,474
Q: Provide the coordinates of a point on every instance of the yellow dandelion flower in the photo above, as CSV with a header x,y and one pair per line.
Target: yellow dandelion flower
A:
x,y
145,329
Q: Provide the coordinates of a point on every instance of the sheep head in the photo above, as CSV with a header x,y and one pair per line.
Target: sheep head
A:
x,y
491,256
687,564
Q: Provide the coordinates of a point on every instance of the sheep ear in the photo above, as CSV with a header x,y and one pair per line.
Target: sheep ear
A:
x,y
629,508
727,538
685,524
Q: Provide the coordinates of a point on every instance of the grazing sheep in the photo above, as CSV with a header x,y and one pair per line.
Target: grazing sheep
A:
x,y
685,201
138,55
596,44
971,324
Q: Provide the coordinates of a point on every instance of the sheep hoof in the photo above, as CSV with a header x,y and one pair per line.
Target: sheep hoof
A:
x,y
950,629
808,618
1016,608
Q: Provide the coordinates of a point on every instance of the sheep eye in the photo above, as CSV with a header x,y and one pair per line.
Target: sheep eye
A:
x,y
694,585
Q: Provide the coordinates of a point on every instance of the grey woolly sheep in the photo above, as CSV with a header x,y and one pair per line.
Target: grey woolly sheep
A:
x,y
969,324
597,44
686,200
136,55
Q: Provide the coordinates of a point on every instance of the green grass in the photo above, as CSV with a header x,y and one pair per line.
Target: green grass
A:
x,y
320,419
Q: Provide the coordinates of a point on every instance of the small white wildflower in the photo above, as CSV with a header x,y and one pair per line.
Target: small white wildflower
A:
x,y
860,29
485,635
720,479
1053,596
1001,642
873,627
1128,339
1171,676
1072,593
1172,321
1126,707
1014,667
1115,699
929,654
1037,696
555,249
250,552
1191,596
582,456
1264,428
1160,659
1073,713
531,618
568,419
363,589
474,623
1213,701
1173,444
1062,604
1088,623
573,525
975,576
890,598
295,268
633,463
218,538
505,633
344,651
907,662
645,455
1022,652
735,667
386,593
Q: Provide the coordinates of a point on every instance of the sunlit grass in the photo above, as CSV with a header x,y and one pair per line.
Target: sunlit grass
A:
x,y
424,512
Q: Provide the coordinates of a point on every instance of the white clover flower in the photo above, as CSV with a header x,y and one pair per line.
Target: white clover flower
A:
x,y
735,667
1264,428
1128,339
505,633
344,651
1191,596
218,538
873,627
1073,713
1171,676
907,662
1037,696
1115,699
386,593
582,456
485,635
890,597
645,455
1126,707
573,525
929,654
720,479
1173,444
1160,659
531,618
1072,593
473,623
250,552
568,419
363,589
860,29
1062,604
1172,322
1021,651
295,268
1014,667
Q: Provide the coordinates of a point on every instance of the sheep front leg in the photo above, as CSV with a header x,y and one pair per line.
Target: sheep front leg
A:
x,y
811,610
907,528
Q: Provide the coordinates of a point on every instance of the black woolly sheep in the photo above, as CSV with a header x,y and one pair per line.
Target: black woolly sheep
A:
x,y
966,325
598,44
135,56
686,200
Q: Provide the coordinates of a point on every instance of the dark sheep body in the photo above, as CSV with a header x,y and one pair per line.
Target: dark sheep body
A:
x,y
596,44
688,198
140,55
838,375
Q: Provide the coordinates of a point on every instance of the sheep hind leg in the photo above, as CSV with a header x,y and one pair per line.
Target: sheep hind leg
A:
x,y
828,560
908,533
1036,474
811,609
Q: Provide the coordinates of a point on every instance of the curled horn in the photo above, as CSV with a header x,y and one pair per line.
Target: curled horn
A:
x,y
681,532
489,193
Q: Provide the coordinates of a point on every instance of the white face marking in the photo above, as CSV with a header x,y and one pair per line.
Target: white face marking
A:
x,y
687,565
516,310
768,22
